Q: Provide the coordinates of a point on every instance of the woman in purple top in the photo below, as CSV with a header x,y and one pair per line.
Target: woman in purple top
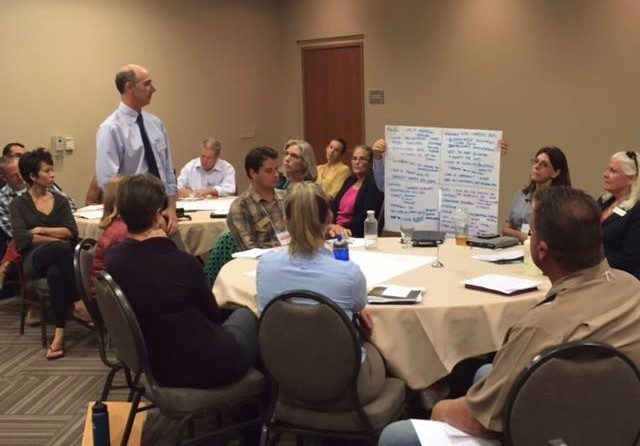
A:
x,y
358,194
188,344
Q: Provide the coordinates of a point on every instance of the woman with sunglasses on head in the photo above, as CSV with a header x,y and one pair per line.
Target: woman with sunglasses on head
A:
x,y
549,167
621,212
358,194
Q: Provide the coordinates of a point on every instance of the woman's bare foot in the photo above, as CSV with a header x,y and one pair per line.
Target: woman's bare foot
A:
x,y
80,312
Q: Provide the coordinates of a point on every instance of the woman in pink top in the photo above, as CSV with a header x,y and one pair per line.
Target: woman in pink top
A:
x,y
115,230
358,194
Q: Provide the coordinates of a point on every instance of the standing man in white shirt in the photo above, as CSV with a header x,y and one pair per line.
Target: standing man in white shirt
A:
x,y
131,141
207,175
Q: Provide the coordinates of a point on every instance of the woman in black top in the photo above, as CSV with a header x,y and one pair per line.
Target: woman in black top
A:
x,y
44,231
620,216
358,194
187,344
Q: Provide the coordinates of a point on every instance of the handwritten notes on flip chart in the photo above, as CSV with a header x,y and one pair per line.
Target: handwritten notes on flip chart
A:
x,y
429,172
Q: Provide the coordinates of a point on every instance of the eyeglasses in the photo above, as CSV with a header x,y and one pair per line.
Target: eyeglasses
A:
x,y
540,163
632,155
355,159
295,156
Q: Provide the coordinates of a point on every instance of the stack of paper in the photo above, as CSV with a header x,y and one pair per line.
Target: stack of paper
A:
x,y
89,212
497,283
395,294
218,205
253,253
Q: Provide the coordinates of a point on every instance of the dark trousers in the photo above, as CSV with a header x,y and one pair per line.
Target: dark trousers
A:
x,y
54,261
242,324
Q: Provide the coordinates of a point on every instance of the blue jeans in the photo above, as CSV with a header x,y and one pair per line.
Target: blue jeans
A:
x,y
400,433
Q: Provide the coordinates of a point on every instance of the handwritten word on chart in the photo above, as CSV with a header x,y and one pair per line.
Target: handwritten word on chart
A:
x,y
429,172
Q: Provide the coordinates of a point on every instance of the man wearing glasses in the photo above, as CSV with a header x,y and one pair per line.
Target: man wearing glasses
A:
x,y
130,141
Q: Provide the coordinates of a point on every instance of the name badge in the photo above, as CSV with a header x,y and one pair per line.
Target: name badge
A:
x,y
525,228
621,212
283,237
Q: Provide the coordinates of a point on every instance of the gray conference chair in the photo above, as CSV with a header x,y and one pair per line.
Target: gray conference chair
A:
x,y
580,393
182,404
312,355
82,265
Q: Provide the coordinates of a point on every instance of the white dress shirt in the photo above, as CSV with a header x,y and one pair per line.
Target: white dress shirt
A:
x,y
222,177
120,149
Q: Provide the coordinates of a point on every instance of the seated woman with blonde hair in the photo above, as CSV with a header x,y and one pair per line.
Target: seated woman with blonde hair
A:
x,y
308,215
621,212
115,230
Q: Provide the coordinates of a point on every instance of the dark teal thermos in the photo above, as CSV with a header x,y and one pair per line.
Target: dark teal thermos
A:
x,y
100,422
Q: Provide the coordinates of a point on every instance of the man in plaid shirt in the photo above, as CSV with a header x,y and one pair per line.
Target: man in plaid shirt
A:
x,y
15,186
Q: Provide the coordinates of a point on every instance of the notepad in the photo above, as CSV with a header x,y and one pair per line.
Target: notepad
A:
x,y
500,284
501,257
395,294
253,253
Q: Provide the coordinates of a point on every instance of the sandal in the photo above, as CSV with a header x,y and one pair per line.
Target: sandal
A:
x,y
52,354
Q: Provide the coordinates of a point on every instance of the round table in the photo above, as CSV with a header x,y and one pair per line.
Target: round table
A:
x,y
196,236
421,343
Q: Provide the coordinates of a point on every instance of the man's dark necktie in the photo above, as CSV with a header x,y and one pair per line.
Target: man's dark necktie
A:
x,y
148,151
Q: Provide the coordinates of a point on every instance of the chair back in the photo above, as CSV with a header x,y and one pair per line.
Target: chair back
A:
x,y
219,255
82,266
122,324
580,393
310,349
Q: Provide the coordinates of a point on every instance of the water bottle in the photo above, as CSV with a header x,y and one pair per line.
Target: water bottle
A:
x,y
100,422
370,231
341,249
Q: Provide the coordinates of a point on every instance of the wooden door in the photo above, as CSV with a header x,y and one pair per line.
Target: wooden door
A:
x,y
333,96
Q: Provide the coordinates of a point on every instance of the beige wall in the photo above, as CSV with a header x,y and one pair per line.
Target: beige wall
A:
x,y
544,71
215,65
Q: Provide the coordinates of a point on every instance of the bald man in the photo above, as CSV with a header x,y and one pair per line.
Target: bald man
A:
x,y
131,141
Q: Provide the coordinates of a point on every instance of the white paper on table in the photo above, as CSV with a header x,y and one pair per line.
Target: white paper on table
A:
x,y
253,253
502,284
437,433
397,290
498,256
379,267
90,212
218,205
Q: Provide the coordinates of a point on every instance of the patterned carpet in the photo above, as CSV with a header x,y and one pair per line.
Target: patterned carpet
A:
x,y
44,402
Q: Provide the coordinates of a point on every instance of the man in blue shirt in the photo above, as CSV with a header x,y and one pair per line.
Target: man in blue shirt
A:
x,y
131,141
